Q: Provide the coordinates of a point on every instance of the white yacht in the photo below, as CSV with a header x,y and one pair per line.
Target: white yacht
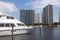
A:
x,y
8,22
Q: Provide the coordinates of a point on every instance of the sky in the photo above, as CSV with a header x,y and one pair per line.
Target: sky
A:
x,y
13,7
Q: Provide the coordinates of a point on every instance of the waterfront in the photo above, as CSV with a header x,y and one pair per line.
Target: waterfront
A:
x,y
39,33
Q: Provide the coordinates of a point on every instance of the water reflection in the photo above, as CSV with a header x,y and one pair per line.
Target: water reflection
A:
x,y
46,33
50,33
56,35
37,34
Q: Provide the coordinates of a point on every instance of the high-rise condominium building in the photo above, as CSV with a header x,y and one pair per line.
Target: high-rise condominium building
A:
x,y
27,16
47,16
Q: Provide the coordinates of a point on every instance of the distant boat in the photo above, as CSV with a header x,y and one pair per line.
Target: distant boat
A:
x,y
6,24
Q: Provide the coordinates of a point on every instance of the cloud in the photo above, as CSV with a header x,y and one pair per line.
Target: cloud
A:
x,y
6,7
39,4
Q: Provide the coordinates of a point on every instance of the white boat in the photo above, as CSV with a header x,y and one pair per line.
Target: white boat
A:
x,y
6,24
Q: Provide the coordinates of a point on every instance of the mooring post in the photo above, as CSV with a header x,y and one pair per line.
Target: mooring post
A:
x,y
12,33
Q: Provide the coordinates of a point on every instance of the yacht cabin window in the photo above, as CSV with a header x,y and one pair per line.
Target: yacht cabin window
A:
x,y
1,25
12,25
20,24
7,25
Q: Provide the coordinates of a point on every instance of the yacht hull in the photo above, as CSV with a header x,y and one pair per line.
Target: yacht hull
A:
x,y
15,32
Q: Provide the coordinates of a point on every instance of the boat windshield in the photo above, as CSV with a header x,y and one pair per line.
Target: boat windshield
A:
x,y
8,17
20,24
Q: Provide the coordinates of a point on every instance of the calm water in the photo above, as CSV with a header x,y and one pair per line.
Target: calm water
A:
x,y
44,33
